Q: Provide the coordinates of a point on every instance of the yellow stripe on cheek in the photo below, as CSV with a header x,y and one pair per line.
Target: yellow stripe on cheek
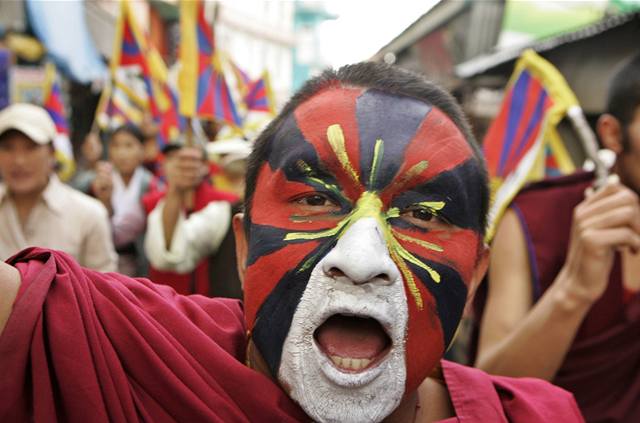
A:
x,y
410,281
425,244
294,236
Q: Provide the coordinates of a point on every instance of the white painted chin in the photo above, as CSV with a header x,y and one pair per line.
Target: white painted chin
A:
x,y
331,393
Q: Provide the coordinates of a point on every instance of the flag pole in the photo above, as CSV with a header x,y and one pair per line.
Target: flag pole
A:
x,y
188,135
589,143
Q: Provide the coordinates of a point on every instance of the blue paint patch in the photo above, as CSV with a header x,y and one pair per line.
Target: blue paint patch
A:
x,y
402,116
463,203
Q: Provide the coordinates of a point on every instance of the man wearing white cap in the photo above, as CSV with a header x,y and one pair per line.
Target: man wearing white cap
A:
x,y
36,209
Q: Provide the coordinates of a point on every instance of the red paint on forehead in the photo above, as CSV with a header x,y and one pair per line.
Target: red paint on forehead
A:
x,y
272,204
459,248
334,105
440,143
425,345
263,275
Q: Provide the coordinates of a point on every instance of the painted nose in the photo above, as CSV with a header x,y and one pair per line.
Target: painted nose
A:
x,y
361,255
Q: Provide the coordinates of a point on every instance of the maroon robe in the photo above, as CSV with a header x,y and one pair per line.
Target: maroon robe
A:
x,y
602,367
83,346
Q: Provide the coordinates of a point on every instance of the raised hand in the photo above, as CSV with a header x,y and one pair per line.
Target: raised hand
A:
x,y
605,221
102,185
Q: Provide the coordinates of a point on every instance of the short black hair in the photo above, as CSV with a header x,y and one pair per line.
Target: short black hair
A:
x,y
624,92
128,128
379,76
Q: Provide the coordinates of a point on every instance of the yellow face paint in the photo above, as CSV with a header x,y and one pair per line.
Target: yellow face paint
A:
x,y
433,205
370,205
413,172
378,151
335,136
310,177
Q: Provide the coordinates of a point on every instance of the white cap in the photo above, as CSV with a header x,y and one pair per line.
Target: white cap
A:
x,y
31,120
235,146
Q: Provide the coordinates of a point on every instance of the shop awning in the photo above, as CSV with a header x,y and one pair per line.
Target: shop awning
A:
x,y
62,28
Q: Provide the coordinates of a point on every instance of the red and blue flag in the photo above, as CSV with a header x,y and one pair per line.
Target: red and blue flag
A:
x,y
53,105
522,144
203,88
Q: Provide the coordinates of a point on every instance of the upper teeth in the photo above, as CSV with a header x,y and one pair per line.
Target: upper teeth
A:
x,y
349,363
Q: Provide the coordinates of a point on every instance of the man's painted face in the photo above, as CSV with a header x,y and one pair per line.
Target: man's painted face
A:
x,y
363,237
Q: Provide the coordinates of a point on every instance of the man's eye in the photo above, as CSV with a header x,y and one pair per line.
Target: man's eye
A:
x,y
315,200
422,214
424,217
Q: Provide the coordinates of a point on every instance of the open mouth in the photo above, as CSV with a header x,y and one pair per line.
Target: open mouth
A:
x,y
353,343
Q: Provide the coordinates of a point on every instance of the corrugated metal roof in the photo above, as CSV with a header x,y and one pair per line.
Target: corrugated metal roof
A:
x,y
488,61
439,14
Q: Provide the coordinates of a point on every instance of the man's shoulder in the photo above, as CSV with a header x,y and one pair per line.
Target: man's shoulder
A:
x,y
520,399
575,181
81,203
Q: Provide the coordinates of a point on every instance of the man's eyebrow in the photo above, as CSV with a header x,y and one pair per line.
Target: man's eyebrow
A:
x,y
459,188
299,166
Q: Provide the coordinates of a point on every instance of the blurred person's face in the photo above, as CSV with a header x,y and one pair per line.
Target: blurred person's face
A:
x,y
364,241
151,150
25,166
92,148
125,152
628,161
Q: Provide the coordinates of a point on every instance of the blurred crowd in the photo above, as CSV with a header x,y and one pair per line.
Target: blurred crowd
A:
x,y
131,206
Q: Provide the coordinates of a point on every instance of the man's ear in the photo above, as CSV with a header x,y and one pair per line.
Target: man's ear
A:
x,y
241,245
610,133
478,273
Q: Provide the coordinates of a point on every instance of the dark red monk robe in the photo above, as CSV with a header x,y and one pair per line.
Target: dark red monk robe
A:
x,y
479,397
83,346
602,367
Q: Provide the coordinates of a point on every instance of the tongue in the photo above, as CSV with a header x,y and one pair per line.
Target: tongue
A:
x,y
354,337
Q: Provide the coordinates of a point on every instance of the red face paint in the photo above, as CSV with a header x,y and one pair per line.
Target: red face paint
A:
x,y
349,153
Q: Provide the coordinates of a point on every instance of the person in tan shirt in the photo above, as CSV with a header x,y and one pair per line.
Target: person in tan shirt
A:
x,y
36,209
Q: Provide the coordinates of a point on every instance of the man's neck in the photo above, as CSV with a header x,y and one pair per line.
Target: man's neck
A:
x,y
127,177
430,403
25,202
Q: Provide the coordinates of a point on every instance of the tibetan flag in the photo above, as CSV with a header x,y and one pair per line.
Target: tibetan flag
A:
x,y
119,105
242,78
130,43
131,49
170,123
523,138
215,100
53,101
196,48
54,106
203,88
259,96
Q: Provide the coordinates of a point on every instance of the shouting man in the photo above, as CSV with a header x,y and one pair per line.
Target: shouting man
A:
x,y
360,245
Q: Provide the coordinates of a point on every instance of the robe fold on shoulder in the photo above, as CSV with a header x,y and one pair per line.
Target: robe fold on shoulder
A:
x,y
479,397
84,346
